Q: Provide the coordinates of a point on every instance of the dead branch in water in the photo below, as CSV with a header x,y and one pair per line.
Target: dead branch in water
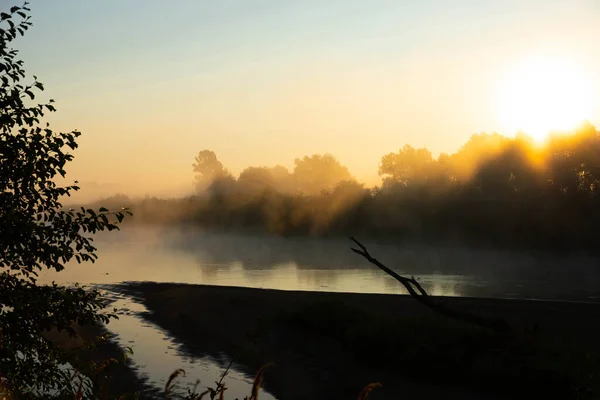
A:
x,y
418,293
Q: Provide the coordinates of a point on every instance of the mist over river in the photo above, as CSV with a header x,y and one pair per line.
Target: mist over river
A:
x,y
190,255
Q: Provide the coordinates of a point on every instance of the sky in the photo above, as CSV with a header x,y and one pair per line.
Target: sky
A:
x,y
150,83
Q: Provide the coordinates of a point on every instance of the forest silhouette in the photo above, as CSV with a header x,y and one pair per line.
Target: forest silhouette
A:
x,y
494,191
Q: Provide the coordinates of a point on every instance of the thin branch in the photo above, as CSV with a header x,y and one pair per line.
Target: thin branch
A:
x,y
220,382
498,325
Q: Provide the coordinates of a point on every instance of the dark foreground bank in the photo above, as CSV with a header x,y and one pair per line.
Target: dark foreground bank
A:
x,y
329,345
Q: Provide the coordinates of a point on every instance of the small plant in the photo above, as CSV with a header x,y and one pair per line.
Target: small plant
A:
x,y
216,392
364,393
220,388
170,385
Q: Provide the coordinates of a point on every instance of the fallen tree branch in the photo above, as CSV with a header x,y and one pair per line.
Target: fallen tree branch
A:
x,y
418,293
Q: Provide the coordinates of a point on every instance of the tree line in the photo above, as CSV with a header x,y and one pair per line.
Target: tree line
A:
x,y
495,190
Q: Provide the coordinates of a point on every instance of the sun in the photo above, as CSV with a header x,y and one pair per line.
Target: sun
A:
x,y
544,94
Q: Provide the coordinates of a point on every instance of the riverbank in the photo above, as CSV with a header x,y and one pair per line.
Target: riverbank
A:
x,y
329,345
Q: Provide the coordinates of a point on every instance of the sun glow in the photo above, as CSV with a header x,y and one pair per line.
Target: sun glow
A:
x,y
544,94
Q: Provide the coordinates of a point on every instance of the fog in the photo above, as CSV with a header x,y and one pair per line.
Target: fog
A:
x,y
196,256
494,192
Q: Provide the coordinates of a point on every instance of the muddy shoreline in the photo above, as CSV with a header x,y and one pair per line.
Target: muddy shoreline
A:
x,y
250,326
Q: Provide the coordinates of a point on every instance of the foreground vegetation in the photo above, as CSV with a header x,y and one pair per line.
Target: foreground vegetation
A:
x,y
37,233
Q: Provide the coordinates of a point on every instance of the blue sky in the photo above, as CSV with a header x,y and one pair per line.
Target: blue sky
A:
x,y
151,83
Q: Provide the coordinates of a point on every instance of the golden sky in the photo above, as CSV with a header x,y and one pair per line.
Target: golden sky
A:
x,y
151,83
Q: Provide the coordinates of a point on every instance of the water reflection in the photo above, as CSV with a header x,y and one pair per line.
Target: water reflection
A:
x,y
192,256
156,355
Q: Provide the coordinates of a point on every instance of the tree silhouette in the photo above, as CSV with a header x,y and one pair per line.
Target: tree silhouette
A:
x,y
36,232
407,166
494,191
256,179
319,172
207,169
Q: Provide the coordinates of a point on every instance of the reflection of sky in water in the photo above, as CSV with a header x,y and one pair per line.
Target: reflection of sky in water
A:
x,y
191,256
156,355
172,255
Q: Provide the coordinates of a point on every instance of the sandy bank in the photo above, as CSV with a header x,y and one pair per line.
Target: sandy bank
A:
x,y
329,345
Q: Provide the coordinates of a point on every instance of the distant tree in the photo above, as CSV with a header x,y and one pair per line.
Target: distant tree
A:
x,y
574,161
349,189
207,169
444,169
507,173
282,179
318,172
494,190
477,150
224,185
36,232
407,165
256,179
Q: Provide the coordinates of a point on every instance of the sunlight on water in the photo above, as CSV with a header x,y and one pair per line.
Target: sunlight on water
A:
x,y
191,256
146,256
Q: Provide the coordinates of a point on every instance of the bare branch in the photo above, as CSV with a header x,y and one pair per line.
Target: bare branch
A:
x,y
498,325
418,286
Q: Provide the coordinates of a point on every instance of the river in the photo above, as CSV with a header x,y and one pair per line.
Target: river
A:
x,y
189,255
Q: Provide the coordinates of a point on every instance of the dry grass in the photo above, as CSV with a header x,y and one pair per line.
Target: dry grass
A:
x,y
220,388
171,381
364,393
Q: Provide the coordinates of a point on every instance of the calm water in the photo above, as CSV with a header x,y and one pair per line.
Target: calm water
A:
x,y
193,256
